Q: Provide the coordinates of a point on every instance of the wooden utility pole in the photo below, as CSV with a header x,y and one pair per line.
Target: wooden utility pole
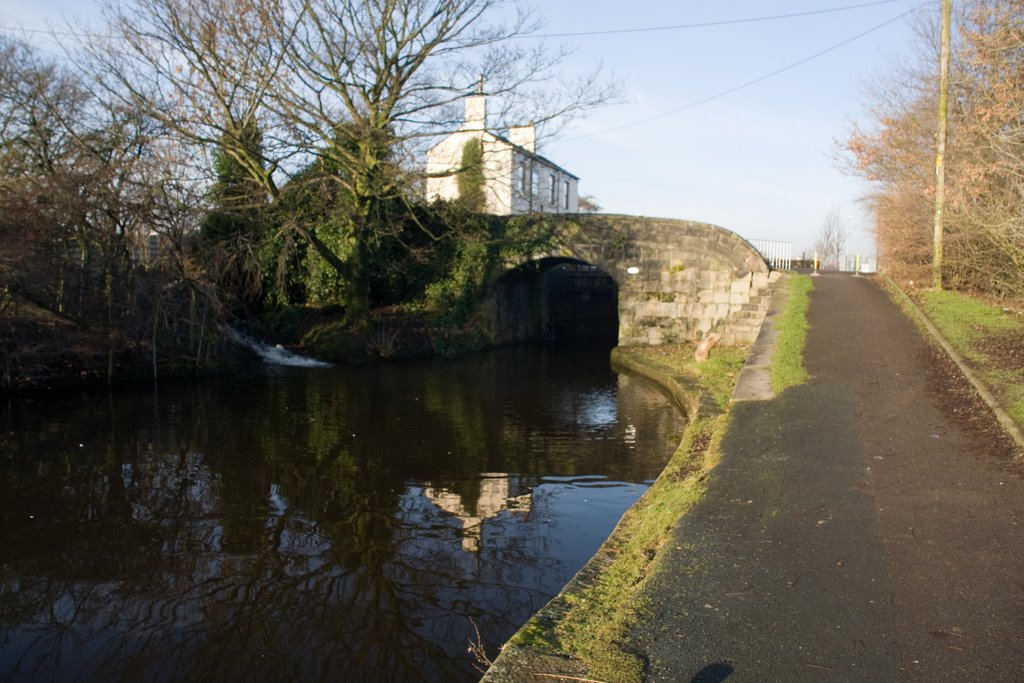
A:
x,y
940,147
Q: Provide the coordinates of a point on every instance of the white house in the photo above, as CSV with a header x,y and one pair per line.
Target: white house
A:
x,y
516,178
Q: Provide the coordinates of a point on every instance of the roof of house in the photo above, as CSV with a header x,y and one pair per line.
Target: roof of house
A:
x,y
533,155
522,150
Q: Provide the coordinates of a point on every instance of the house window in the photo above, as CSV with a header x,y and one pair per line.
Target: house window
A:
x,y
152,246
535,182
524,178
565,195
554,189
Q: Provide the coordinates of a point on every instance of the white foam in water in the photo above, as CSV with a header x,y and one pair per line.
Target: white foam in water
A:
x,y
274,355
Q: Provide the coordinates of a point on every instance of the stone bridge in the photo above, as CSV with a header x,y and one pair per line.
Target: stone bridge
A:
x,y
675,280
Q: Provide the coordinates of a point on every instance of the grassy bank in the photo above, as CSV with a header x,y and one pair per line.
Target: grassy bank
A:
x,y
990,338
591,620
788,358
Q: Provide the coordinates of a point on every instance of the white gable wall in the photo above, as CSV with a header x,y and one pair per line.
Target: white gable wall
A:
x,y
516,182
442,160
497,176
445,159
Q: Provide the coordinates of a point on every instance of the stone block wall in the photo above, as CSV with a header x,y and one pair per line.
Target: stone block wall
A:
x,y
678,281
669,302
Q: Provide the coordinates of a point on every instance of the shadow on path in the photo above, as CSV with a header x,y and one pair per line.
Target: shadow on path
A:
x,y
855,529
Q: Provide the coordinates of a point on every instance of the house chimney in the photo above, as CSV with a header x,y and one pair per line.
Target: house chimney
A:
x,y
476,112
476,108
524,136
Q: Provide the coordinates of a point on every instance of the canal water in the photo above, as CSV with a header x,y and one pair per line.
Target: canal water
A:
x,y
312,524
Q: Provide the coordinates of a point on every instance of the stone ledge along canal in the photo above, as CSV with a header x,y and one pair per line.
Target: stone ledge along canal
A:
x,y
312,524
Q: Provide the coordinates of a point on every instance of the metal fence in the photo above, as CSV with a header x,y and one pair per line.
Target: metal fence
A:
x,y
855,263
779,255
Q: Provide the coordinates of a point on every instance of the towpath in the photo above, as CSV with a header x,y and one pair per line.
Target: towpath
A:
x,y
867,526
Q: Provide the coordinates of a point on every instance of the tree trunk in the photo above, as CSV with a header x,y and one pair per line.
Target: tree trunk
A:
x,y
357,294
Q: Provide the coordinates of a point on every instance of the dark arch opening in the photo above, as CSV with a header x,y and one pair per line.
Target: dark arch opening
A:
x,y
557,299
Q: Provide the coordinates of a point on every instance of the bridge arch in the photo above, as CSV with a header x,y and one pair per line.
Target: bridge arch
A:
x,y
556,298
675,280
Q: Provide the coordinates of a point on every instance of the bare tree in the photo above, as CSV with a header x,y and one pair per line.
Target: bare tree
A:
x,y
987,204
361,85
830,243
983,247
589,204
204,69
65,174
85,184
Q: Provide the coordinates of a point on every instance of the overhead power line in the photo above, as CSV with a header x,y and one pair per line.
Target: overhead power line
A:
x,y
710,24
747,84
581,34
15,26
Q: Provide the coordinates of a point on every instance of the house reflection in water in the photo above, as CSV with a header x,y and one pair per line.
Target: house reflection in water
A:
x,y
498,492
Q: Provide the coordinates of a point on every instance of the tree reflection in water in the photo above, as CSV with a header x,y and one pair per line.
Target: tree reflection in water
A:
x,y
313,525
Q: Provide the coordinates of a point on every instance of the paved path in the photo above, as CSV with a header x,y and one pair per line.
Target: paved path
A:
x,y
856,529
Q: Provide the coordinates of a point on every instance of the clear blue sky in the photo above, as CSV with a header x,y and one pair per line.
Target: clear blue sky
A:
x,y
758,161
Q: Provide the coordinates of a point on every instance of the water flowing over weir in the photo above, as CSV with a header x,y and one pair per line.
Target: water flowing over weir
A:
x,y
346,523
273,354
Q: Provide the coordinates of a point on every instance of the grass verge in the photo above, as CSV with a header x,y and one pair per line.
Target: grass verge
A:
x,y
592,620
788,359
988,337
597,625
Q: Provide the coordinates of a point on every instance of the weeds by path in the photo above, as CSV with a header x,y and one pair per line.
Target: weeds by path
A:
x,y
596,616
788,358
989,337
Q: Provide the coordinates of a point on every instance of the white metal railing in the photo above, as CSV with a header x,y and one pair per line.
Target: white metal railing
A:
x,y
779,255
